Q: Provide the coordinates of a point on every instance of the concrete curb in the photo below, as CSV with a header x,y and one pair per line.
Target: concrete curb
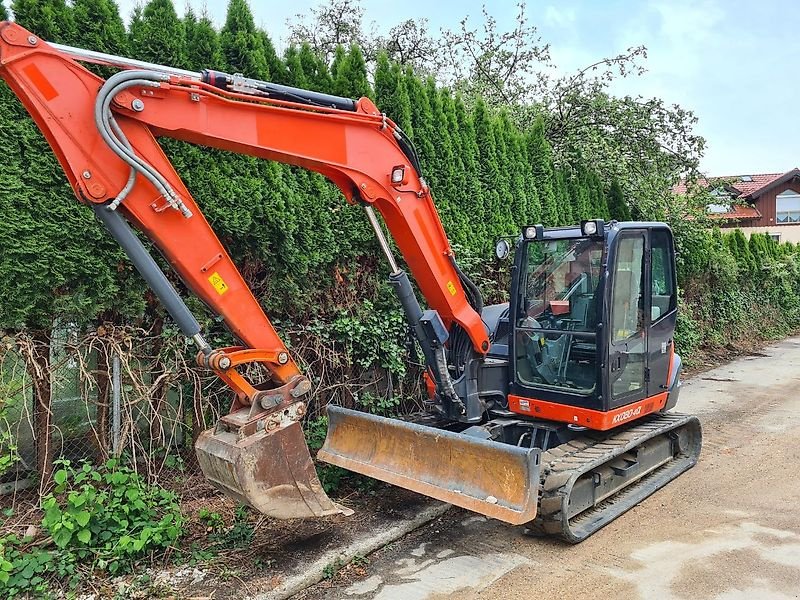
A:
x,y
361,546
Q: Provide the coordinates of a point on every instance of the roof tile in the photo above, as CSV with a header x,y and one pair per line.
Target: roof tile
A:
x,y
745,188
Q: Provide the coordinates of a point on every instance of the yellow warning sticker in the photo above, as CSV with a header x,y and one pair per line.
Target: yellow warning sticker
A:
x,y
452,288
218,282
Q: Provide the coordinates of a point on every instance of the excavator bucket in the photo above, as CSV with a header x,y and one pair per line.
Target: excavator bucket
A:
x,y
270,471
497,480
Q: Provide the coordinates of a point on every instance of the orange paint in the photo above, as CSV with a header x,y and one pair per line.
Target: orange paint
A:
x,y
39,81
559,307
585,417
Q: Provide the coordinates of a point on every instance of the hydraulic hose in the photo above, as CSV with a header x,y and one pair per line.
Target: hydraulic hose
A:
x,y
114,137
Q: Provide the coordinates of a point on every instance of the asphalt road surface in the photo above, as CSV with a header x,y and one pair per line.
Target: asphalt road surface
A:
x,y
728,529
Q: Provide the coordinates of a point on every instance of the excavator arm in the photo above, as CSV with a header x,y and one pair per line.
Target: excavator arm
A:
x,y
104,135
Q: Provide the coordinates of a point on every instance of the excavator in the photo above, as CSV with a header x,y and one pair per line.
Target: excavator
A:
x,y
552,410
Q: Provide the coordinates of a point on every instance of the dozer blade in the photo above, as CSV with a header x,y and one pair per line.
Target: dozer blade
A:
x,y
497,480
271,472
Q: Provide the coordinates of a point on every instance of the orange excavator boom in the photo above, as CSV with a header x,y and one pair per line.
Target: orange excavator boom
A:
x,y
104,135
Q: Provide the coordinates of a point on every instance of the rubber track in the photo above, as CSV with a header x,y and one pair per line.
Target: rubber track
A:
x,y
562,465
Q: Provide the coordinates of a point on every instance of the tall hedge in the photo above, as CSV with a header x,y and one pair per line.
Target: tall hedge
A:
x,y
310,257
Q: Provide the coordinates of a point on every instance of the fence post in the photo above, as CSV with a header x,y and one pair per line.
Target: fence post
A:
x,y
116,395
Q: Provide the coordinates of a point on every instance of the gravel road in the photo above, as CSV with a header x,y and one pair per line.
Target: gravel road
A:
x,y
727,529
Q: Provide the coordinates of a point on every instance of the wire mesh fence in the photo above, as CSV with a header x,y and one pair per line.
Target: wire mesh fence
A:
x,y
89,396
115,391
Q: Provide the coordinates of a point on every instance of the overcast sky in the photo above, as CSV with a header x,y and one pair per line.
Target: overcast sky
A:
x,y
730,61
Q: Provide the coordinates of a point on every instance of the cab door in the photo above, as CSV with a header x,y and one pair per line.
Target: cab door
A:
x,y
663,311
629,301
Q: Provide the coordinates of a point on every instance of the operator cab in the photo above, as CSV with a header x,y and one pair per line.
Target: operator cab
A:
x,y
592,315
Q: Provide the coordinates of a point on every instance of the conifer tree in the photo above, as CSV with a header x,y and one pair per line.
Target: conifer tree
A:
x,y
525,207
295,75
542,170
740,249
315,70
203,50
617,207
759,249
339,57
505,221
422,125
275,66
385,85
52,19
462,194
475,207
567,208
442,173
158,35
52,247
3,12
100,27
489,174
242,45
393,99
350,73
597,196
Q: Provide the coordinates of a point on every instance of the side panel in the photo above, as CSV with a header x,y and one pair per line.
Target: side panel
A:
x,y
584,417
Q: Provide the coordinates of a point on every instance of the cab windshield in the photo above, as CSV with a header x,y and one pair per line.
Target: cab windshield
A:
x,y
556,331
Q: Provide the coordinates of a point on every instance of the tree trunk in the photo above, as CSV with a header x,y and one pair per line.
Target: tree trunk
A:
x,y
39,369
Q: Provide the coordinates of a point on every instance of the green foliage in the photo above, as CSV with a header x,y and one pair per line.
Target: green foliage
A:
x,y
109,516
731,283
366,336
617,207
26,571
100,27
238,535
8,446
242,46
350,74
376,404
49,19
157,35
540,155
103,519
330,476
67,266
212,520
332,569
203,50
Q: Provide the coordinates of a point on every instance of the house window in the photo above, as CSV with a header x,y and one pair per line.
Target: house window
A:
x,y
775,237
787,207
716,209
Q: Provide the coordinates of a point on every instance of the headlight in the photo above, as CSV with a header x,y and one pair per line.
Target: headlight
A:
x,y
593,227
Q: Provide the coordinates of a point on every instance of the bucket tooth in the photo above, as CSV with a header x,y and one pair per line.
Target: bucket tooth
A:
x,y
271,472
494,479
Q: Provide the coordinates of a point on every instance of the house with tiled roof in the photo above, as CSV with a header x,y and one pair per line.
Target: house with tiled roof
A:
x,y
762,202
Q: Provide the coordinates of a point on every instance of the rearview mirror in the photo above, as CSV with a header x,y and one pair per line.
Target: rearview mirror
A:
x,y
502,249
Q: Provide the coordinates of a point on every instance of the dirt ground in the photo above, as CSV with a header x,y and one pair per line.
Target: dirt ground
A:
x,y
728,529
